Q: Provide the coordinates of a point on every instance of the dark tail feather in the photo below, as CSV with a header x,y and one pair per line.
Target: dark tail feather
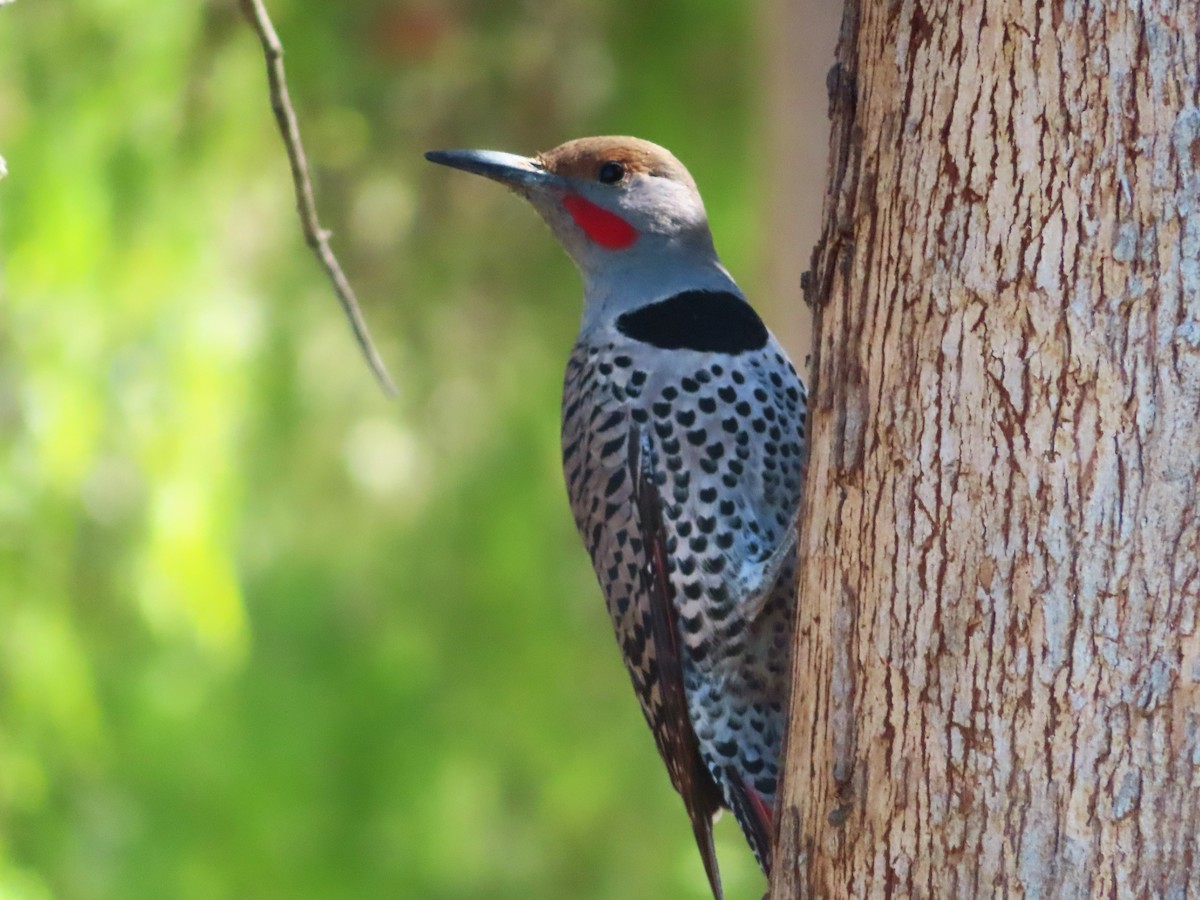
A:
x,y
702,828
676,740
754,815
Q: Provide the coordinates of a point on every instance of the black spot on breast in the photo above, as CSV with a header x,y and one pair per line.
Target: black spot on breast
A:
x,y
614,482
613,420
613,446
705,321
728,749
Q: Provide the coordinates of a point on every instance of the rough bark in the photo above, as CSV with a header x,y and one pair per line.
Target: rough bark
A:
x,y
997,683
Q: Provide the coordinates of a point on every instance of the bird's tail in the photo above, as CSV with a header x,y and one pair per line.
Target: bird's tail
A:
x,y
753,812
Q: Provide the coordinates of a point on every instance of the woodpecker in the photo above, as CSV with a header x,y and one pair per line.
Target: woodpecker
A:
x,y
683,446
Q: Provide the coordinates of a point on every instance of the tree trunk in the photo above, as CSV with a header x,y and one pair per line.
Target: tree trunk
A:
x,y
997,680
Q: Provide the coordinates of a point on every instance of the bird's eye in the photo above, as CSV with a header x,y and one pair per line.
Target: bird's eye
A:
x,y
611,172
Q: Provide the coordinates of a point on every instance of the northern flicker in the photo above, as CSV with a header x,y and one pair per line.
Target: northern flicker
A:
x,y
683,433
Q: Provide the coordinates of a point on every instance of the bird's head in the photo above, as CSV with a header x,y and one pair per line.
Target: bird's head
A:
x,y
614,203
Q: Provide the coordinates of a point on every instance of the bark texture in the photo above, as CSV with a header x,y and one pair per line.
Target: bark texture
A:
x,y
997,683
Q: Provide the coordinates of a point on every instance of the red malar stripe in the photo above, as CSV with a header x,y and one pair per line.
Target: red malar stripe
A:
x,y
607,229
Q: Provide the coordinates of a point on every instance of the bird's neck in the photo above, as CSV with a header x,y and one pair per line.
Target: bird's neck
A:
x,y
635,280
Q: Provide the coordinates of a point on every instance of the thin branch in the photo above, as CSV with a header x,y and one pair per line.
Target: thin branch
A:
x,y
314,235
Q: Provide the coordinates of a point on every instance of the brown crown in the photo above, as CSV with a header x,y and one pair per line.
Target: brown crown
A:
x,y
582,158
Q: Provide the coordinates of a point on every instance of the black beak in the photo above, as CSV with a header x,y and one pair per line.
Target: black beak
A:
x,y
507,168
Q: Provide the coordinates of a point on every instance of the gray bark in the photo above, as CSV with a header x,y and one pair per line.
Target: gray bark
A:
x,y
997,682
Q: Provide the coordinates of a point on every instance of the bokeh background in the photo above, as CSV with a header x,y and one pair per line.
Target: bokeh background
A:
x,y
265,633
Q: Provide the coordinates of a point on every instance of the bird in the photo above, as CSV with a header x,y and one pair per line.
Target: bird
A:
x,y
684,452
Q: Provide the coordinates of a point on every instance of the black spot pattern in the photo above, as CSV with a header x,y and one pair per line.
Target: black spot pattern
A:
x,y
728,432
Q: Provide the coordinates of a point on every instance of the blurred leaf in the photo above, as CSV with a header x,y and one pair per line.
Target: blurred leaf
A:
x,y
263,632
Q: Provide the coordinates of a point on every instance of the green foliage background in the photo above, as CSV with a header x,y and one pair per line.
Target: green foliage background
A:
x,y
263,632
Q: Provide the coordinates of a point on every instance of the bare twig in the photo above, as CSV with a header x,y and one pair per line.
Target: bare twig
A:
x,y
314,235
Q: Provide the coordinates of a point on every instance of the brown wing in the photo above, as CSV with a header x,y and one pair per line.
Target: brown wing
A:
x,y
676,741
